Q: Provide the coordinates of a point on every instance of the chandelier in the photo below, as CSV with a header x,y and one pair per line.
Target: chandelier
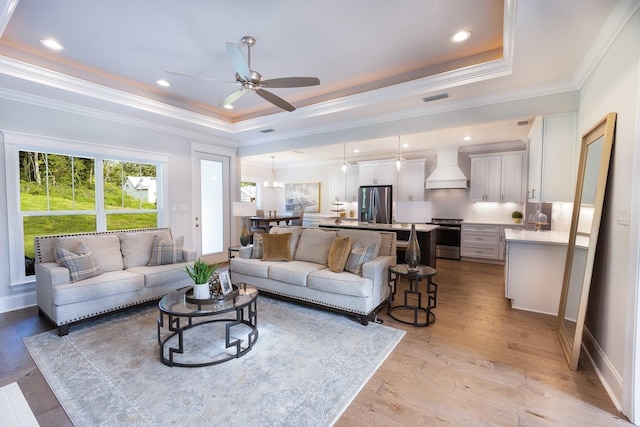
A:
x,y
273,184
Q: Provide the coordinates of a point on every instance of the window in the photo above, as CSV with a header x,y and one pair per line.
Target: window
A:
x,y
248,191
62,190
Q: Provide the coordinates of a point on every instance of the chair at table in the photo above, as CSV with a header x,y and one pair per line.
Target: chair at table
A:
x,y
259,227
300,213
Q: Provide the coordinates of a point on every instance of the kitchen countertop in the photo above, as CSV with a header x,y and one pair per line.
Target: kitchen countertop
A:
x,y
424,228
529,236
509,223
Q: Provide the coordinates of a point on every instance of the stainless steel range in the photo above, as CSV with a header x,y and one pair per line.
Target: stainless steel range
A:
x,y
448,237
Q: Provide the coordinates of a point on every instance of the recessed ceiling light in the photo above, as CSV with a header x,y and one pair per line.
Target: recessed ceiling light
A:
x,y
355,150
228,106
460,36
467,138
163,83
52,44
405,145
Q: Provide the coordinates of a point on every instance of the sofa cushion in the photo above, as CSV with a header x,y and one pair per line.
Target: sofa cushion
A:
x,y
250,267
105,249
136,246
358,256
314,245
295,232
257,251
339,253
294,272
166,251
161,274
340,283
276,247
80,262
366,238
105,285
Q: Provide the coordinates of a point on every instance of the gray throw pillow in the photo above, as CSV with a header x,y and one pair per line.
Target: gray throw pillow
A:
x,y
358,256
166,251
80,262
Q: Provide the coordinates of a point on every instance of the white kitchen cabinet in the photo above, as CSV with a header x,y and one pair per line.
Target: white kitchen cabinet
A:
x,y
480,241
411,181
503,240
351,184
377,173
344,185
497,177
553,152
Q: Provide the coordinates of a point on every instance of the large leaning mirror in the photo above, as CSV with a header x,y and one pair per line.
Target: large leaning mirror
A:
x,y
583,236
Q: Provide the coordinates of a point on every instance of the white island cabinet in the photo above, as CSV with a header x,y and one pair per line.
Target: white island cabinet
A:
x,y
534,269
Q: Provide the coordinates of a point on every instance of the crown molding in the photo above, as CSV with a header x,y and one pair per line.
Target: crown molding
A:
x,y
615,23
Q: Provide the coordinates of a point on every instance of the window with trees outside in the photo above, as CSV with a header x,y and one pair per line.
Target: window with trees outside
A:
x,y
248,191
61,187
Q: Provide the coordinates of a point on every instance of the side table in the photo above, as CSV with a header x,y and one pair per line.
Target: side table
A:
x,y
417,304
235,249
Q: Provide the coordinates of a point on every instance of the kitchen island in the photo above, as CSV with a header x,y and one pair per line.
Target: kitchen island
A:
x,y
425,234
534,269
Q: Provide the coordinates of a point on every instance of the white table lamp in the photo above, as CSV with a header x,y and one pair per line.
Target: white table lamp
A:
x,y
413,213
244,210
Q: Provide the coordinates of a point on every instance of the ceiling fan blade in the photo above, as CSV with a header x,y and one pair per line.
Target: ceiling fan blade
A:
x,y
213,79
292,82
232,97
275,100
238,61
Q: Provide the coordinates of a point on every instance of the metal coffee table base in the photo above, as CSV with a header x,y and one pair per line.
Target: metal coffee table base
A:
x,y
174,326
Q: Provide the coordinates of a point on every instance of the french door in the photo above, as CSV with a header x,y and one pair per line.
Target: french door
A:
x,y
211,178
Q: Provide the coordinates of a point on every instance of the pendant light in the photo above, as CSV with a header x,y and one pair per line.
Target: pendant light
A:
x,y
273,184
399,159
345,164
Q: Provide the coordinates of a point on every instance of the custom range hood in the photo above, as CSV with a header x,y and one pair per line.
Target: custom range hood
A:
x,y
447,174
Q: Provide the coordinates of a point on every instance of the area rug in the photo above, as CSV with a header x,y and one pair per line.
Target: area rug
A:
x,y
305,369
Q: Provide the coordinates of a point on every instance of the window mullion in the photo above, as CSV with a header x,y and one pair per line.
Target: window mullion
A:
x,y
101,216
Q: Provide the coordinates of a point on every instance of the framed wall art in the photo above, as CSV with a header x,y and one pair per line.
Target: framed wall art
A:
x,y
305,196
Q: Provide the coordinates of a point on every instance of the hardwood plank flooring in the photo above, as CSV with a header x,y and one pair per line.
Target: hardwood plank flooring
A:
x,y
480,363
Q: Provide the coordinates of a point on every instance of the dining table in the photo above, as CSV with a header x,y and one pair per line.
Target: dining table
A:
x,y
269,221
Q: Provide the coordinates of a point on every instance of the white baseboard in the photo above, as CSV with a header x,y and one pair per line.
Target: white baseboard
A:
x,y
16,302
609,377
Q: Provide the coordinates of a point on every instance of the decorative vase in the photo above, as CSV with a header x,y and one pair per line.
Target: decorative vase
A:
x,y
412,253
517,220
201,291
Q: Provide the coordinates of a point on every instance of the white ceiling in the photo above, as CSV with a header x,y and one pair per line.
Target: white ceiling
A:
x,y
376,61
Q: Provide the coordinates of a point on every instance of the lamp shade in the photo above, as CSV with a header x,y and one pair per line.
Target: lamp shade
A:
x,y
413,212
243,209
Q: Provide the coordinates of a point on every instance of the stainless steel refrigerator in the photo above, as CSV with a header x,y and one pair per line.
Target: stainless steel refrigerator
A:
x,y
374,204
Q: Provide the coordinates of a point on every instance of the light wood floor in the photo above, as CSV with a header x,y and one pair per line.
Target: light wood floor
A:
x,y
480,363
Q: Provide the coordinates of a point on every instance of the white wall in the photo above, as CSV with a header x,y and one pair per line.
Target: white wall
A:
x,y
614,87
26,118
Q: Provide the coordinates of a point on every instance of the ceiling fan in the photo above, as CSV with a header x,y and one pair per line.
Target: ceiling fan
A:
x,y
251,81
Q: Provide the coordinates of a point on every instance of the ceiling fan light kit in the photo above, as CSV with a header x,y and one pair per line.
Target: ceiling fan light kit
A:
x,y
252,81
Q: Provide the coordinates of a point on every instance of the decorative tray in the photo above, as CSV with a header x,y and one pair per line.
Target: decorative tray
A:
x,y
220,298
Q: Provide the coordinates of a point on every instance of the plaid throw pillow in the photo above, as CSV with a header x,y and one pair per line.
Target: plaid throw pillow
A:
x,y
258,246
358,256
80,262
166,251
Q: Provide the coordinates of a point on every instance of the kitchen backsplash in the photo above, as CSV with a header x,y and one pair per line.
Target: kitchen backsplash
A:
x,y
454,203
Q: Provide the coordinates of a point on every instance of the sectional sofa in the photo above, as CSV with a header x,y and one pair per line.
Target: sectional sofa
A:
x,y
309,271
79,276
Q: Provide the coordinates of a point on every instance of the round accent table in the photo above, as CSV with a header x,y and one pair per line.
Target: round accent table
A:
x,y
417,303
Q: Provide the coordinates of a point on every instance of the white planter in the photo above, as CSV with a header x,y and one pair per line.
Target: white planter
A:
x,y
201,291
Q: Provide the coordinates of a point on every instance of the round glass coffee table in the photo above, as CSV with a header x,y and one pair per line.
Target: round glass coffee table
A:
x,y
195,334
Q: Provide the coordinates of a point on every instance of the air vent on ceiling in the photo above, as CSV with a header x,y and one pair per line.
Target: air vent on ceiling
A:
x,y
435,97
267,130
523,122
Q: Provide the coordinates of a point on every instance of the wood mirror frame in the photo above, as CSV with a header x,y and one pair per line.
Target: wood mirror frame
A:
x,y
593,171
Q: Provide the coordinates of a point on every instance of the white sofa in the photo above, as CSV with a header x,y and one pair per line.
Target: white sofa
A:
x,y
307,278
123,277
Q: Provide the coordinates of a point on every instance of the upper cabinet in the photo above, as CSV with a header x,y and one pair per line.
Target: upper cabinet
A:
x,y
377,173
344,185
411,181
497,177
552,158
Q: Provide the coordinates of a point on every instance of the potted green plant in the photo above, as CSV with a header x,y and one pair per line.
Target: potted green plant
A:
x,y
516,216
200,273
